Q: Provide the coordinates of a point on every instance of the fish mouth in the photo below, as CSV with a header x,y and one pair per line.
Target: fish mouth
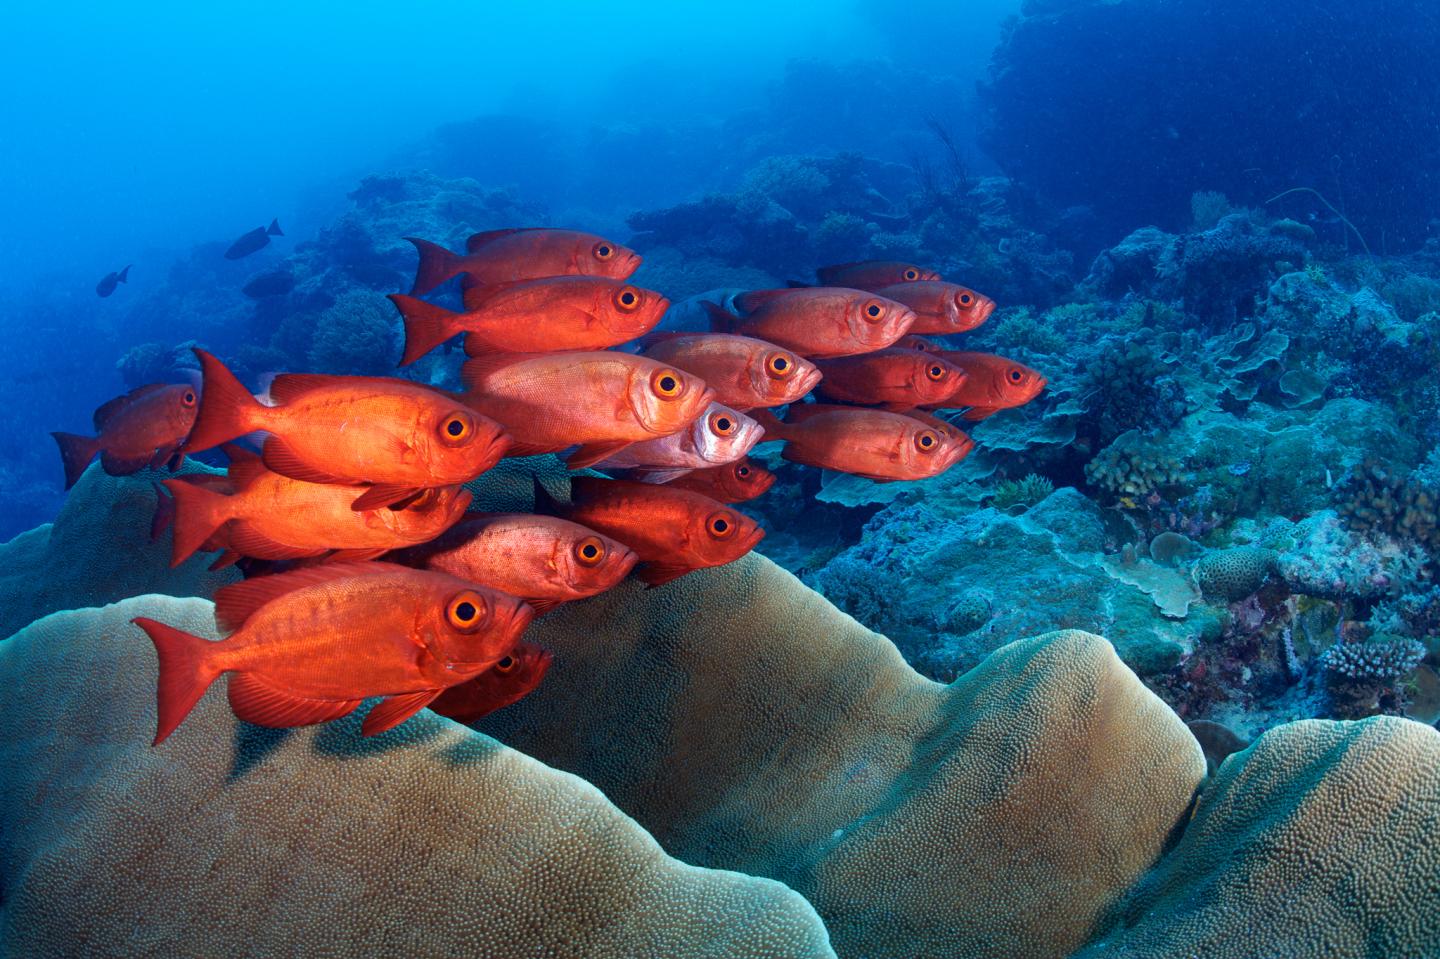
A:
x,y
807,382
631,262
754,539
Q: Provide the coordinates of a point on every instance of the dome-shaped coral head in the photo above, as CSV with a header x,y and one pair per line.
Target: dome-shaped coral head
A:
x,y
993,383
736,482
508,681
941,308
816,322
529,253
873,274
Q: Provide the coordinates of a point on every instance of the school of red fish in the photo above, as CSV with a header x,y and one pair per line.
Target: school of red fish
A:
x,y
368,576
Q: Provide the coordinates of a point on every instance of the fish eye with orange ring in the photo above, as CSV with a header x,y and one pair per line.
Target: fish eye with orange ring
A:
x,y
627,299
965,298
721,525
603,251
667,384
723,424
188,399
457,428
935,372
873,310
590,551
927,441
911,274
505,664
1015,375
466,611
779,365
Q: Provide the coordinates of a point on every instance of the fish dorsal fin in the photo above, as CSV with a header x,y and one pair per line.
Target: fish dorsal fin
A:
x,y
106,411
755,299
255,701
280,458
478,240
288,387
236,603
245,467
477,369
394,710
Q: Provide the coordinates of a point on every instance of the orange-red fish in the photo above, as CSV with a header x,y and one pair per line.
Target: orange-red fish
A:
x,y
992,383
164,516
897,379
673,531
744,372
144,428
528,253
544,560
270,516
602,401
941,308
816,322
535,316
875,444
873,274
507,682
736,482
398,436
308,646
719,435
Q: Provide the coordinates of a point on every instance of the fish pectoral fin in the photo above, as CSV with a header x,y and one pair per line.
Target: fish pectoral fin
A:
x,y
246,540
255,701
384,494
543,606
658,574
588,454
977,413
280,458
394,710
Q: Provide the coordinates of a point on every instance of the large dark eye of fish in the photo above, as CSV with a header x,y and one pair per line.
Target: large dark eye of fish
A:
x,y
666,384
966,299
590,551
935,372
505,665
926,441
873,311
742,471
457,428
627,299
721,525
912,274
189,398
722,424
466,611
1016,376
603,251
779,365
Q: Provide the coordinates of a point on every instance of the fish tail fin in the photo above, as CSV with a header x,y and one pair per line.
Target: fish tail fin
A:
x,y
196,514
426,326
186,671
721,319
227,409
775,428
273,229
437,265
76,452
124,275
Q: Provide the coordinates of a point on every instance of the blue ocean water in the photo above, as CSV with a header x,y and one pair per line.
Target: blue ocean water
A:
x,y
1198,242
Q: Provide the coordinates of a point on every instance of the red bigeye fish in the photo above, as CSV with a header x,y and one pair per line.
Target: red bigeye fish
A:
x,y
736,482
873,274
941,308
505,256
109,281
913,342
309,646
144,428
602,401
508,681
897,379
398,436
719,436
992,383
164,516
535,316
816,322
955,433
871,443
673,531
269,516
744,372
542,559
254,241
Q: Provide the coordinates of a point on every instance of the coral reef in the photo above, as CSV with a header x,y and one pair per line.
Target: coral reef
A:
x,y
1231,574
1022,493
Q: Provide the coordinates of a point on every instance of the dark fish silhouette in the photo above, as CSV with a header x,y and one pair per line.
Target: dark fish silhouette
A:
x,y
274,283
107,286
256,239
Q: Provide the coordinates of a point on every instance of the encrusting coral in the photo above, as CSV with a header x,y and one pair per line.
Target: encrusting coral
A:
x,y
233,840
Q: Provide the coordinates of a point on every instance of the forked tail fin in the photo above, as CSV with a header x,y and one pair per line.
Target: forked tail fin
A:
x,y
186,671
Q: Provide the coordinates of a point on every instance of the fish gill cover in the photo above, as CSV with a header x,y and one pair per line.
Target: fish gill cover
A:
x,y
481,393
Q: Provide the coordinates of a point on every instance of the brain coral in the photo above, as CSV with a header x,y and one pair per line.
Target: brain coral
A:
x,y
231,840
750,725
1335,825
1231,574
97,551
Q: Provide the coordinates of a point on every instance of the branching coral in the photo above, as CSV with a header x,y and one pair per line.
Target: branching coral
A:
x,y
1375,498
1131,469
1363,677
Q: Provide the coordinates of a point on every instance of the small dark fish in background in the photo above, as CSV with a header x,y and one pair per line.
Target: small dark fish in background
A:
x,y
111,280
256,239
274,283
